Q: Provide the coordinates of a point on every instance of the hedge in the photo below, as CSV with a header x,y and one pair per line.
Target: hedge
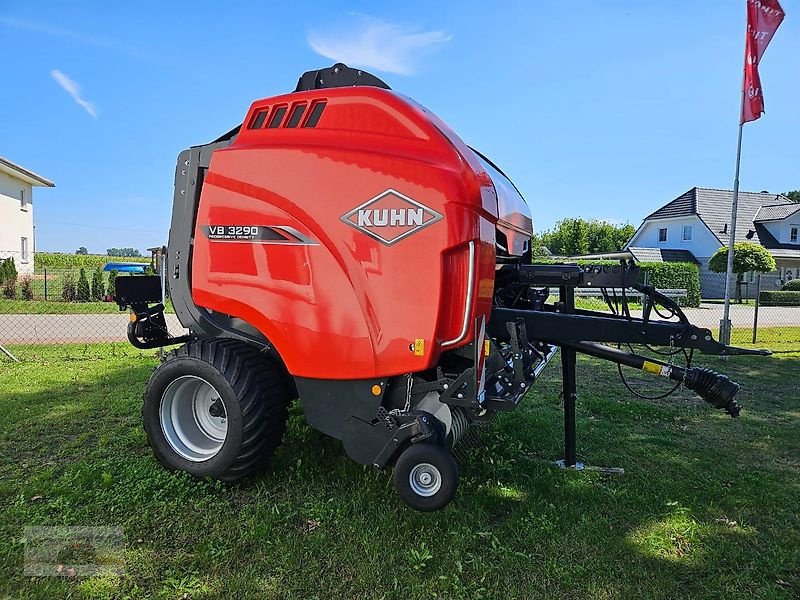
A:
x,y
779,298
666,276
675,275
58,260
793,285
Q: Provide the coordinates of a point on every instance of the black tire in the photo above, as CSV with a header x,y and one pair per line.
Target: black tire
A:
x,y
415,462
253,392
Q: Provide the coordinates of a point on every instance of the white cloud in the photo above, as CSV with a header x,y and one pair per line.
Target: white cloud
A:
x,y
74,90
372,43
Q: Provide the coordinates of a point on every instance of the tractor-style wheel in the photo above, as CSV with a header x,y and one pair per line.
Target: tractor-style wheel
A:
x,y
426,477
215,408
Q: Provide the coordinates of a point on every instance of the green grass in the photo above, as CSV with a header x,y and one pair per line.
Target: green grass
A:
x,y
708,507
41,307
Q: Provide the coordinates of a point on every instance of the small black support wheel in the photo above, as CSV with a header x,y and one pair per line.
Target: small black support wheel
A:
x,y
426,477
216,408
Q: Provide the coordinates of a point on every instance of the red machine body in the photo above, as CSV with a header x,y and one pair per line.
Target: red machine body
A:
x,y
343,246
364,225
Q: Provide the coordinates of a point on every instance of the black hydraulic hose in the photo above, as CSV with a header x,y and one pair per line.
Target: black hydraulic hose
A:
x,y
716,389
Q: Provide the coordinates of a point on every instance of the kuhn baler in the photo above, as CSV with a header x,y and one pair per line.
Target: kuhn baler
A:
x,y
344,246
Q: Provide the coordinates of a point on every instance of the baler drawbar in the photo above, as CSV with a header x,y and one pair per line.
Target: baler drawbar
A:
x,y
344,246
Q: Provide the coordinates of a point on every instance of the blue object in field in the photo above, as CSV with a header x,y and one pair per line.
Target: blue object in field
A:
x,y
126,267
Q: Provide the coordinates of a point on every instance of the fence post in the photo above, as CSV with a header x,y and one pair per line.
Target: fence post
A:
x,y
755,314
45,284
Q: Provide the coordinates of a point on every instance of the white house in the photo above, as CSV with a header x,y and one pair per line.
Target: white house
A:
x,y
698,222
16,213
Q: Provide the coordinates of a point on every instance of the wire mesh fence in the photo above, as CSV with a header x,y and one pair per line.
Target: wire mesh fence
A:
x,y
65,299
68,300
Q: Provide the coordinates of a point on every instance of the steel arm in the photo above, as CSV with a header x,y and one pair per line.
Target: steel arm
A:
x,y
589,326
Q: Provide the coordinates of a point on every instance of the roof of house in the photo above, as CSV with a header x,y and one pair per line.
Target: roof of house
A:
x,y
13,169
713,207
662,255
776,212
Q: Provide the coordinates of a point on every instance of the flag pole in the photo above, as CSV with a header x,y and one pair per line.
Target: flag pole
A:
x,y
725,323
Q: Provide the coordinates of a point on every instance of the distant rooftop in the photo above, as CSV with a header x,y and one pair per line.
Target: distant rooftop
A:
x,y
714,209
15,170
776,212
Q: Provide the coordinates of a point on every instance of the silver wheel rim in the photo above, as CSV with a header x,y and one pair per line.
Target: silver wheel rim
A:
x,y
186,419
425,479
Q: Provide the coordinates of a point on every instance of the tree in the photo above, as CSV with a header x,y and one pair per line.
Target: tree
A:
x,y
112,282
26,289
82,250
83,292
747,257
576,236
794,195
69,293
10,289
123,252
8,270
98,285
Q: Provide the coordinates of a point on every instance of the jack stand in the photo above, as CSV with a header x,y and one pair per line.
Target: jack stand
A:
x,y
569,386
570,393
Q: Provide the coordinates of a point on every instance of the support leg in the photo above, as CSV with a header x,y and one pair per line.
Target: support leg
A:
x,y
569,387
570,395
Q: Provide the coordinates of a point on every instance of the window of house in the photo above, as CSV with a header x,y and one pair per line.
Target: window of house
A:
x,y
24,249
687,233
793,234
23,200
662,234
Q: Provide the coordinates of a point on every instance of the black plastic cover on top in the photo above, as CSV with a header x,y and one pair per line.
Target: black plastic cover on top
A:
x,y
339,75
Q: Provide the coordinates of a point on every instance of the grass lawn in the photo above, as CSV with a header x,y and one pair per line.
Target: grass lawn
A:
x,y
50,307
708,507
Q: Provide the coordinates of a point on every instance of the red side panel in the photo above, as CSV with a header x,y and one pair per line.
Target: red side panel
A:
x,y
359,265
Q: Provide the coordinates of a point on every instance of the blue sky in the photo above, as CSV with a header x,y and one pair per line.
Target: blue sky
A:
x,y
599,109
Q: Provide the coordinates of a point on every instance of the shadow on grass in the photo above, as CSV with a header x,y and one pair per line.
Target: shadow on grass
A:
x,y
707,506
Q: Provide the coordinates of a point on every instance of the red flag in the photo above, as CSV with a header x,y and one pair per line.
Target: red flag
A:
x,y
763,19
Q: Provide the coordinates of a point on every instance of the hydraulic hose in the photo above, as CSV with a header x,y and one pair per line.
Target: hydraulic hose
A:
x,y
716,389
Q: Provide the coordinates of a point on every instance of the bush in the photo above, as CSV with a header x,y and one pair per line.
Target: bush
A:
x,y
8,270
27,289
779,298
69,292
98,285
747,257
12,269
10,289
675,276
112,283
83,292
792,285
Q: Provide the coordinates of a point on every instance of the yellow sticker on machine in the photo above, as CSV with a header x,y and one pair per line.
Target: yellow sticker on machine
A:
x,y
651,367
419,347
487,347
